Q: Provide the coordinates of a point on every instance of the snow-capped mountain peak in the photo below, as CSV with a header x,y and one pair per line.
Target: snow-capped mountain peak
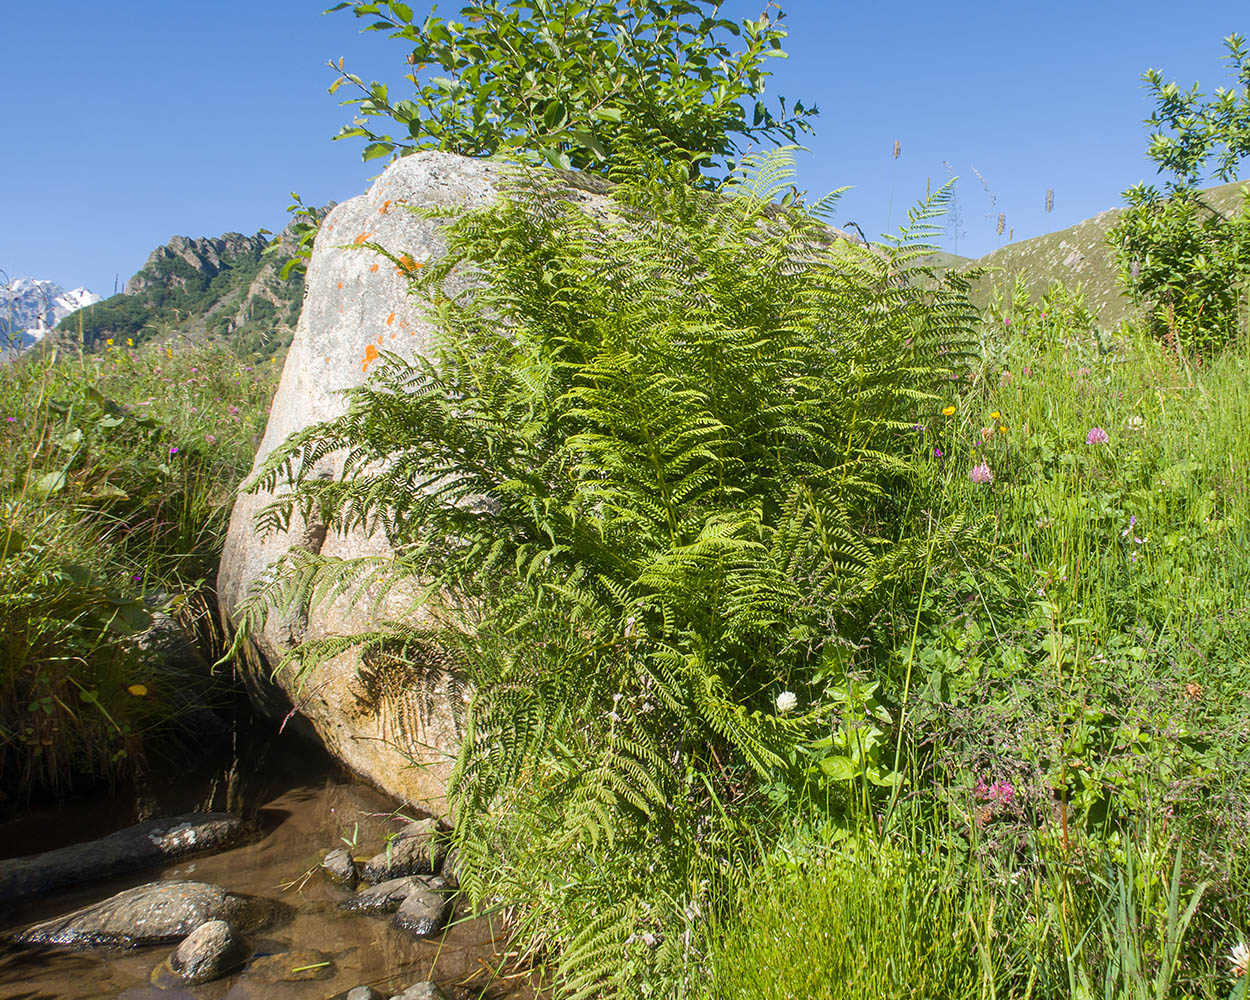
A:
x,y
29,308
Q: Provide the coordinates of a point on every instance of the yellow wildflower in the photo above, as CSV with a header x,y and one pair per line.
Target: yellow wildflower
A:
x,y
995,415
948,411
109,342
138,690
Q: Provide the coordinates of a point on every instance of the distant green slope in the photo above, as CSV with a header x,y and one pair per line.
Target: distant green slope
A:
x,y
1077,254
225,288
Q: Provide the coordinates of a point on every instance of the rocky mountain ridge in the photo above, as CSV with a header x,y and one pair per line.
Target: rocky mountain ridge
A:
x,y
226,287
206,255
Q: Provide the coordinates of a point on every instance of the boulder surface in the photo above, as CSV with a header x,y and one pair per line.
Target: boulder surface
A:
x,y
207,953
157,913
126,850
396,726
422,913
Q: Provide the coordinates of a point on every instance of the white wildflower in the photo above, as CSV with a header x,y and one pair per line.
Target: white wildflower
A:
x,y
786,702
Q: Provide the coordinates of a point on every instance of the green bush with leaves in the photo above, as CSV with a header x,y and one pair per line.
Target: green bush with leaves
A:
x,y
655,471
569,80
1189,262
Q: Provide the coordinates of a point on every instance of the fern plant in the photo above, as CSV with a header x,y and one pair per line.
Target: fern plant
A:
x,y
651,477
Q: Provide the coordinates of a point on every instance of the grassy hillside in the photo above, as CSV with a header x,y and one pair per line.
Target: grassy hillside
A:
x,y
1079,253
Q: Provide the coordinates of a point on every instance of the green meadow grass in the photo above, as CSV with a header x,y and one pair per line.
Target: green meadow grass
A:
x,y
119,476
1072,699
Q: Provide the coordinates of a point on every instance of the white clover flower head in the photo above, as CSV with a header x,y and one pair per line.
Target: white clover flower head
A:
x,y
787,701
1239,958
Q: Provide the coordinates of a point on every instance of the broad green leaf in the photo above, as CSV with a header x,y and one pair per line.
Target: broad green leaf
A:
x,y
590,142
839,768
555,115
11,542
50,483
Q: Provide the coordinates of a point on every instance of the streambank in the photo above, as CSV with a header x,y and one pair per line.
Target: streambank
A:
x,y
298,806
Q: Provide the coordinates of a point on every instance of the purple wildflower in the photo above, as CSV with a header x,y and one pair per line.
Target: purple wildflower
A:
x,y
173,450
981,474
210,438
1097,435
1002,792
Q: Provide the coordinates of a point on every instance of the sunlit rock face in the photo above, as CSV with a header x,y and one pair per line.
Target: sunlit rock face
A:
x,y
396,725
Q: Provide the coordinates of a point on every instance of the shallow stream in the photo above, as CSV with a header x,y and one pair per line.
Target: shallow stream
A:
x,y
305,808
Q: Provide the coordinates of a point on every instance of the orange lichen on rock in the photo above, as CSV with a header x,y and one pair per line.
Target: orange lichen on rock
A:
x,y
373,266
386,207
390,319
408,266
361,238
371,355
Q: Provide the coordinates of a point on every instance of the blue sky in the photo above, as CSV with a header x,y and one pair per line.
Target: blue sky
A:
x,y
130,122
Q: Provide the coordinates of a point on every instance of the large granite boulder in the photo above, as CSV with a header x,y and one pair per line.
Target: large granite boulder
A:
x,y
395,725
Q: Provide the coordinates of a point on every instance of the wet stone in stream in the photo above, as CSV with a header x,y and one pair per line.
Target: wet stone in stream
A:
x,y
424,912
421,991
418,849
135,847
386,897
340,869
207,953
157,913
359,993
